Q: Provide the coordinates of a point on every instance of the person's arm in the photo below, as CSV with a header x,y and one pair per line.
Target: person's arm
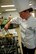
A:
x,y
14,20
7,25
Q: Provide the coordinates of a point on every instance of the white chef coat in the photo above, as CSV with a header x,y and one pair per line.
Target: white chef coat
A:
x,y
26,34
32,23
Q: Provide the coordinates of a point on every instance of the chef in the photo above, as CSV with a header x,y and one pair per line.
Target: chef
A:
x,y
27,33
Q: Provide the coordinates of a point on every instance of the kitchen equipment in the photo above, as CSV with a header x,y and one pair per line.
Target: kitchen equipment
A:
x,y
8,46
9,43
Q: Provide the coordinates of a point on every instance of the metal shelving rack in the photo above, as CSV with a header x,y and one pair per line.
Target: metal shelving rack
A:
x,y
9,46
12,46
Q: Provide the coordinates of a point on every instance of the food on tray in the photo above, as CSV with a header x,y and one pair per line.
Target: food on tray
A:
x,y
1,35
9,35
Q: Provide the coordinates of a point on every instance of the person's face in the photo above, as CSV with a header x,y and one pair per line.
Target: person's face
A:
x,y
25,15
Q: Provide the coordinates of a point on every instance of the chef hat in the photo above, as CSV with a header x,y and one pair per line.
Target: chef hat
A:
x,y
22,5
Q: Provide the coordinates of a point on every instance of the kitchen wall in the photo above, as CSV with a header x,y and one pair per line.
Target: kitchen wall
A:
x,y
7,14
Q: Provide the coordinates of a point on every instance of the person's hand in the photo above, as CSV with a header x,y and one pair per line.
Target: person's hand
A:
x,y
6,27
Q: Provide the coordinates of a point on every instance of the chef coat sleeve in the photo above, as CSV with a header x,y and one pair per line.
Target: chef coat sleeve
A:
x,y
15,20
